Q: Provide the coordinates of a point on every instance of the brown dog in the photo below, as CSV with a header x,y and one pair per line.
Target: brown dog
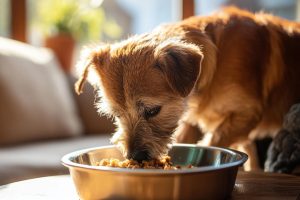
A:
x,y
232,75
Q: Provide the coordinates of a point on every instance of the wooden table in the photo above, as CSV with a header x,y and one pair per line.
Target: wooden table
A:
x,y
248,186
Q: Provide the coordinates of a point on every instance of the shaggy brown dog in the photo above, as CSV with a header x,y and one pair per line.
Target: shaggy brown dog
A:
x,y
233,75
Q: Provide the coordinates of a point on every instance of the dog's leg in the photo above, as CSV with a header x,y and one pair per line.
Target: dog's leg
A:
x,y
249,148
234,129
187,133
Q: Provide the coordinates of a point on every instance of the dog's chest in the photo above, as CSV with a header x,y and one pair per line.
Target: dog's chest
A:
x,y
206,114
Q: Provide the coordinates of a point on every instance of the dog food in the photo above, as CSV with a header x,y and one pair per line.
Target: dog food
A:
x,y
164,163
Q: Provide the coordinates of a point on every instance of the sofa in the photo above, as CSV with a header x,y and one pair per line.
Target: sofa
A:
x,y
41,118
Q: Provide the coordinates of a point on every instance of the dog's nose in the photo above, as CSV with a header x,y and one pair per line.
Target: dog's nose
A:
x,y
140,156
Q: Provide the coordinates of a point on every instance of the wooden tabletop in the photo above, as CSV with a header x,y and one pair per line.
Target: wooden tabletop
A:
x,y
248,186
266,186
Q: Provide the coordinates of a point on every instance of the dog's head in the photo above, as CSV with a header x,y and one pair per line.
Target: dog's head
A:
x,y
143,83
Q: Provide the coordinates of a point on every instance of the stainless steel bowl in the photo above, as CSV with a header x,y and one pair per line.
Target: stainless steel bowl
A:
x,y
212,178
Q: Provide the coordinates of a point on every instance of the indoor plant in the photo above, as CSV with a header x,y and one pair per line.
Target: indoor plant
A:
x,y
67,22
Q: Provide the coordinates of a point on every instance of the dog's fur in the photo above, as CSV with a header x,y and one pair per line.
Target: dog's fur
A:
x,y
232,75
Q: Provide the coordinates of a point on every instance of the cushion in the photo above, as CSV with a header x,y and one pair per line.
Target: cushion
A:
x,y
36,102
42,158
93,122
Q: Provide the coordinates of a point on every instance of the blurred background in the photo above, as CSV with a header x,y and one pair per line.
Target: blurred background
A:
x,y
41,118
37,22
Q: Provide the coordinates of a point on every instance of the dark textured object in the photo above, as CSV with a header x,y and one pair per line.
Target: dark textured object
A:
x,y
262,146
284,152
292,119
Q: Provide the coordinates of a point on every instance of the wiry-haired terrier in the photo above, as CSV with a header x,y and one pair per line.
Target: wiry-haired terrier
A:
x,y
232,76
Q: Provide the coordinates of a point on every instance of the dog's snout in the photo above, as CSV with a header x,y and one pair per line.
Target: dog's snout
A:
x,y
140,156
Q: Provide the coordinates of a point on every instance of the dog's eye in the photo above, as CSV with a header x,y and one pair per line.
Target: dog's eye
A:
x,y
151,112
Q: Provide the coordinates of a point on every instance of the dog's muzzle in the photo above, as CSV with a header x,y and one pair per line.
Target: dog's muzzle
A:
x,y
139,156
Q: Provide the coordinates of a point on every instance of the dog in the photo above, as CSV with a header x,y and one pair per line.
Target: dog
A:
x,y
226,79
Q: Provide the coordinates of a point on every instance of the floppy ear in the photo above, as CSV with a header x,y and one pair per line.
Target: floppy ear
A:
x,y
180,62
90,58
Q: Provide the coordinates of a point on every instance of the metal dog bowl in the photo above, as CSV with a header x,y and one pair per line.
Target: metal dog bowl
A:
x,y
213,176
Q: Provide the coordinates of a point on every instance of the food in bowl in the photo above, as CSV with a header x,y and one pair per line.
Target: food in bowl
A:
x,y
163,163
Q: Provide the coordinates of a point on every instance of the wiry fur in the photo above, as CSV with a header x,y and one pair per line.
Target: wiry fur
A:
x,y
233,74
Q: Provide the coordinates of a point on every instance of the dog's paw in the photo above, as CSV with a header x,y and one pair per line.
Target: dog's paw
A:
x,y
284,152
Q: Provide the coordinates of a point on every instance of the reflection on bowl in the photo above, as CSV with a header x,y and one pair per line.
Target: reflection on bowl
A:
x,y
212,177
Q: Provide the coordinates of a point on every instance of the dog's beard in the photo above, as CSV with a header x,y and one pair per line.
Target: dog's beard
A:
x,y
144,138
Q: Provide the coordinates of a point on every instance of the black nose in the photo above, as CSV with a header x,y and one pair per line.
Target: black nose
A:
x,y
140,156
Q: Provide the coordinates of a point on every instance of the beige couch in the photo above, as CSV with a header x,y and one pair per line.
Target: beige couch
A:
x,y
41,118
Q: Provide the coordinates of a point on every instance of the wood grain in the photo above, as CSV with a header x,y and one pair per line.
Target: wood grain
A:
x,y
188,8
18,20
266,186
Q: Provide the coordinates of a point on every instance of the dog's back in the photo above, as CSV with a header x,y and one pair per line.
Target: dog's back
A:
x,y
286,91
257,64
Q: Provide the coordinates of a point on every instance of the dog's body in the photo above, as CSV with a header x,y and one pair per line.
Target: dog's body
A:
x,y
248,79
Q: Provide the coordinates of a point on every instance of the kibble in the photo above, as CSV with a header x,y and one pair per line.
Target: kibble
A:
x,y
163,163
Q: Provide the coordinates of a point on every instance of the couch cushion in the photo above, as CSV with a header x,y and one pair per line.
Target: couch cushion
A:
x,y
36,102
43,158
93,122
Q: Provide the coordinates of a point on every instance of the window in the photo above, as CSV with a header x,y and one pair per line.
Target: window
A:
x,y
283,8
131,16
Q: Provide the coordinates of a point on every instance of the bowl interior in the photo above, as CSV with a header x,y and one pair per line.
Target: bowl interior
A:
x,y
180,155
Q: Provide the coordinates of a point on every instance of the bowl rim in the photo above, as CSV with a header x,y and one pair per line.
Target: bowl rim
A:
x,y
65,160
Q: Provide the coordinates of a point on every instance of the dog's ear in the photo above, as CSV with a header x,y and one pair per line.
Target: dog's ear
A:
x,y
90,59
180,62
